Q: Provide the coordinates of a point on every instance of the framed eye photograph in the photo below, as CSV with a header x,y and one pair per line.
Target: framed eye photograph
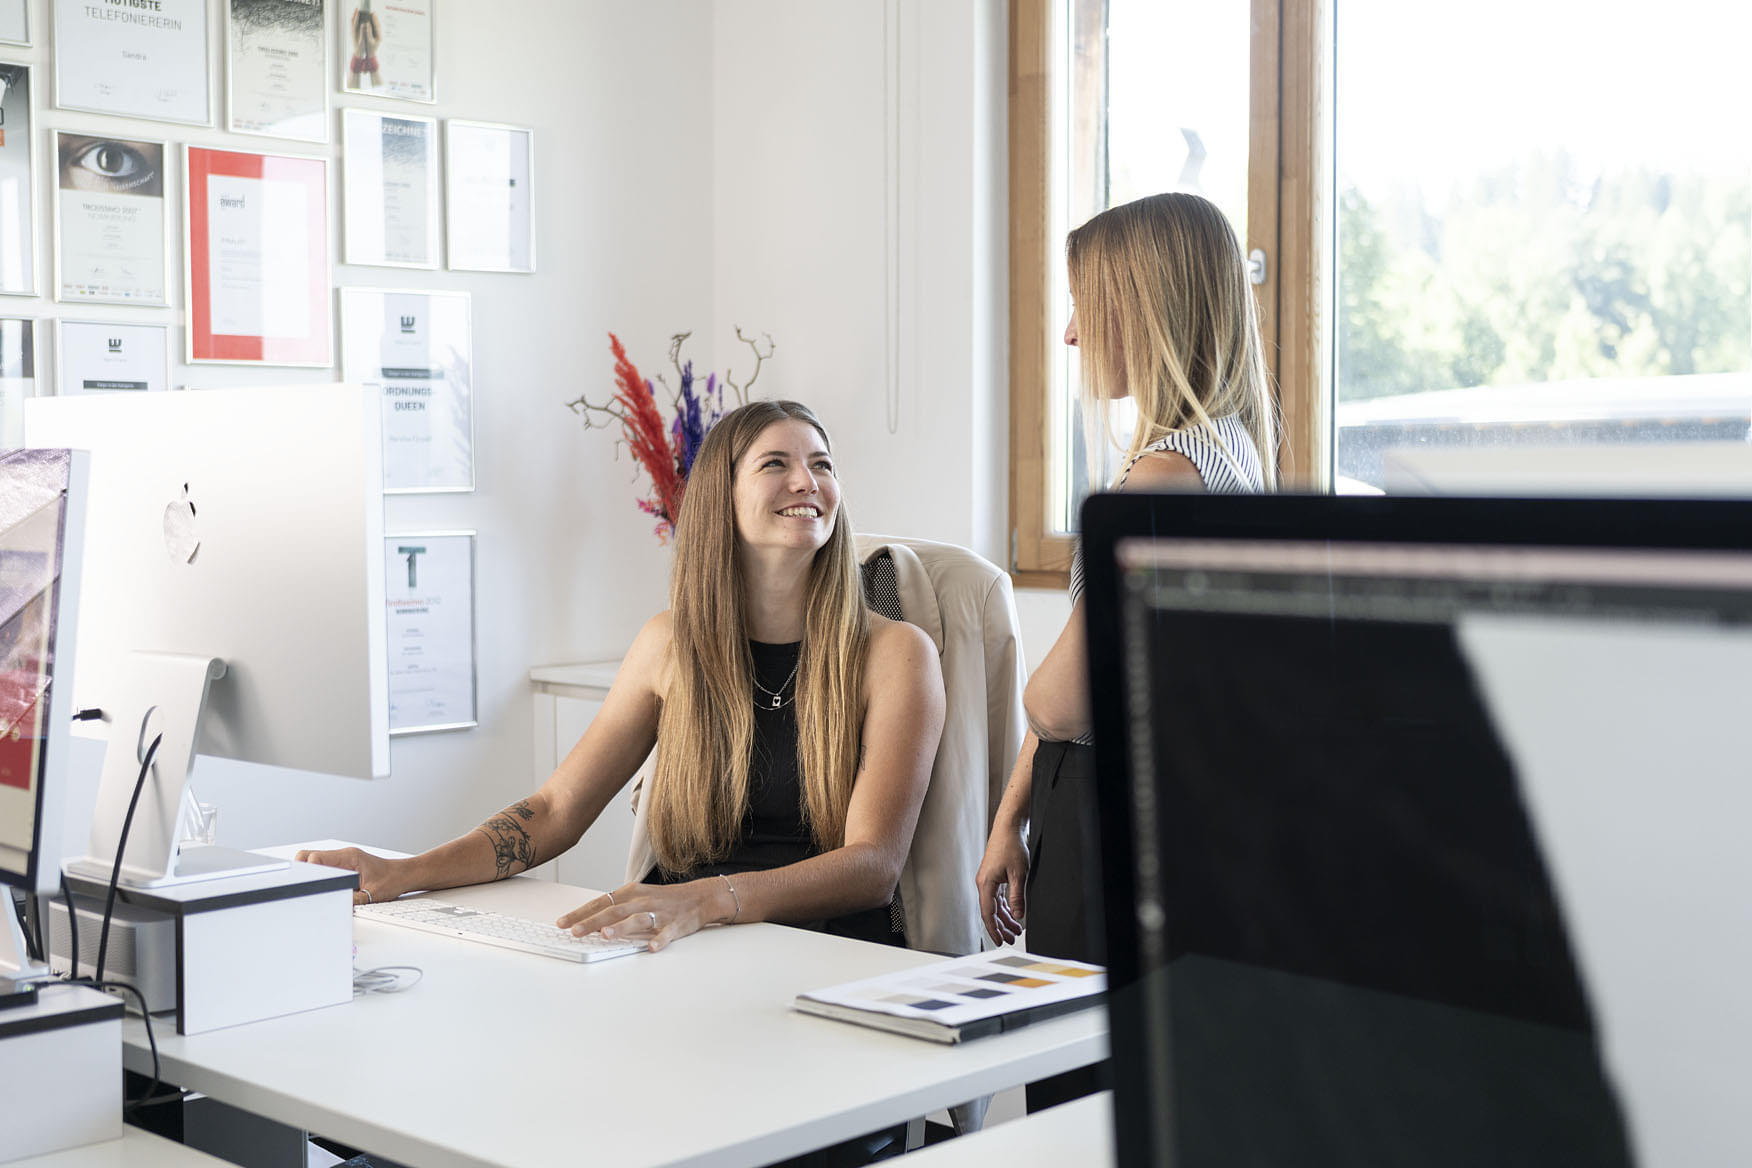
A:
x,y
111,220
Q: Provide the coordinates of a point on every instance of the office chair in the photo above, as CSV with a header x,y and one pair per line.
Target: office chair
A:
x,y
965,605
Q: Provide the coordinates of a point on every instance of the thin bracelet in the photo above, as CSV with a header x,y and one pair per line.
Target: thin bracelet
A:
x,y
733,897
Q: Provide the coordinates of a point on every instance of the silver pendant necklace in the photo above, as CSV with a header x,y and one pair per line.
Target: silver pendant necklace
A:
x,y
776,698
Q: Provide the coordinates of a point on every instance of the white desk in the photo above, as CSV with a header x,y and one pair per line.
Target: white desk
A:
x,y
1079,1132
689,1056
136,1149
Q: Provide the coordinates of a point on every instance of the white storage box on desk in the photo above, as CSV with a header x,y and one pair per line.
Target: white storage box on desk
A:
x,y
255,946
61,1061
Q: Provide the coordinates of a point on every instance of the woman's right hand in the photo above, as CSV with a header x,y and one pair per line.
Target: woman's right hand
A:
x,y
380,880
1002,878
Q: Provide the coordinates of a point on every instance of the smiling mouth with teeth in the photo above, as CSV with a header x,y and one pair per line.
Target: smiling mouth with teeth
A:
x,y
801,513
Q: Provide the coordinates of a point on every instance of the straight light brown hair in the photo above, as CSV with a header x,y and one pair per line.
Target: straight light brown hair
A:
x,y
1165,315
705,733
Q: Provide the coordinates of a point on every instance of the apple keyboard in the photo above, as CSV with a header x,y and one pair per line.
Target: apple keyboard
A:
x,y
491,928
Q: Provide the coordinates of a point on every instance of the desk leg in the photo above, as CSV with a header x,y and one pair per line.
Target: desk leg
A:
x,y
241,1137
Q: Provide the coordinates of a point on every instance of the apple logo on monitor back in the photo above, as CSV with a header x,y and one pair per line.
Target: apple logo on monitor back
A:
x,y
180,539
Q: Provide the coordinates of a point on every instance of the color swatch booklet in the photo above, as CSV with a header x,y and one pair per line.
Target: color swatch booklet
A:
x,y
963,997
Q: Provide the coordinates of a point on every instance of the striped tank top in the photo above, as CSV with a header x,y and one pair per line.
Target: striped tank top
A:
x,y
1230,469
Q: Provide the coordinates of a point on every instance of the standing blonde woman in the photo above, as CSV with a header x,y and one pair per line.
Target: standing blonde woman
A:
x,y
1164,315
794,728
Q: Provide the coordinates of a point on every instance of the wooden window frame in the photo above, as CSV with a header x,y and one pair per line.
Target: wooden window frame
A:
x,y
1288,218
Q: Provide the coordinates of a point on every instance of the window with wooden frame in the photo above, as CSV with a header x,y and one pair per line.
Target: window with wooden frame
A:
x,y
1111,100
1557,255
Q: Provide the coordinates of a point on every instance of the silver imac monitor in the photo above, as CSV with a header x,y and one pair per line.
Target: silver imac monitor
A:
x,y
42,495
234,591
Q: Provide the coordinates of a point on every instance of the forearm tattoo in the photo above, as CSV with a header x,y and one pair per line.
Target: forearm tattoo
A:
x,y
511,843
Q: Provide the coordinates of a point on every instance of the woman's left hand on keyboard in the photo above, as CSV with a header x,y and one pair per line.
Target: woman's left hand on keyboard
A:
x,y
660,912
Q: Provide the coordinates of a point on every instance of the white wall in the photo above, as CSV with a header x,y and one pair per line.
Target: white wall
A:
x,y
1041,614
619,97
859,215
859,148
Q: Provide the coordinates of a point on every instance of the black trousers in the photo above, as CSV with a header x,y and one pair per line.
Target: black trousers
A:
x,y
1064,888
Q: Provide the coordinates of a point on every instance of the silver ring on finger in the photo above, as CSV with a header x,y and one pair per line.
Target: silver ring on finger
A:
x,y
369,899
653,917
610,896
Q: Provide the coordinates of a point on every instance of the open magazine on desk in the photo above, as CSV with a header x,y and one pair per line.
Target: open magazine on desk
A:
x,y
963,997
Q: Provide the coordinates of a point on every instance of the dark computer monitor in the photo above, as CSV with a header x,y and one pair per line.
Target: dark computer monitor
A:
x,y
41,515
1409,822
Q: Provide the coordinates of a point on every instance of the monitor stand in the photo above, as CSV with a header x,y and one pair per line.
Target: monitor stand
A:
x,y
190,864
158,694
18,973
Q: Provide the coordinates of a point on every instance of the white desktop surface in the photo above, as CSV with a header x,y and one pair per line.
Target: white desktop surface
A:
x,y
688,1056
593,678
136,1149
1079,1132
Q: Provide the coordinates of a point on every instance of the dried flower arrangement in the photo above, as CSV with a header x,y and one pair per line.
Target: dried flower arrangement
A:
x,y
665,451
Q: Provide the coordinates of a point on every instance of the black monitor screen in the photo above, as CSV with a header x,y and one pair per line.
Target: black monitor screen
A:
x,y
1367,781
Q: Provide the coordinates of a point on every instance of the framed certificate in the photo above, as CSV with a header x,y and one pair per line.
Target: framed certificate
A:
x,y
390,179
14,22
133,58
430,581
276,68
387,49
258,270
17,181
490,196
18,376
111,220
418,348
99,356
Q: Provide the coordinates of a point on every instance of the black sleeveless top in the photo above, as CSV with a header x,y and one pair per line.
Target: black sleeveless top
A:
x,y
774,830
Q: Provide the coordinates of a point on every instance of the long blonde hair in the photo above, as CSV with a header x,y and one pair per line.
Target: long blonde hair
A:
x,y
705,733
1165,314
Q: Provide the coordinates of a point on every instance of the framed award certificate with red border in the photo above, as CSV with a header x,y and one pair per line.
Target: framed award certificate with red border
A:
x,y
258,259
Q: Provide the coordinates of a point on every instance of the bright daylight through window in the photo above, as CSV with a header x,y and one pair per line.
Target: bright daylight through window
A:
x,y
1155,101
1543,214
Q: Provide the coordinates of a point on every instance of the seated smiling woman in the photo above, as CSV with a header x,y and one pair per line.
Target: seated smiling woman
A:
x,y
794,728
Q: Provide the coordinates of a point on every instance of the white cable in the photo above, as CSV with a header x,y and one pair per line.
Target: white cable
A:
x,y
385,979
